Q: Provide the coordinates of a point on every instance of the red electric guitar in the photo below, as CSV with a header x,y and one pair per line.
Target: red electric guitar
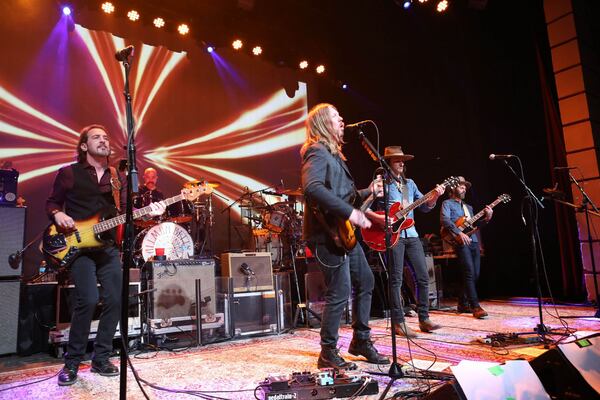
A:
x,y
374,237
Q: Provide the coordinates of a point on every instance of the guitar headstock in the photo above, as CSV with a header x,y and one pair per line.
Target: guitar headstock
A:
x,y
505,198
193,192
450,182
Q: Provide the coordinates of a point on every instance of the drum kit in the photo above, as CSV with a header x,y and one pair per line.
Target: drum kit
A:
x,y
182,231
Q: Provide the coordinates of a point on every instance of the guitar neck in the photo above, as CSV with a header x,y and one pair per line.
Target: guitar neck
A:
x,y
139,213
426,197
480,214
367,203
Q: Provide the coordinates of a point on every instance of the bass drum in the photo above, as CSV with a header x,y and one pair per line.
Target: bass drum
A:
x,y
174,239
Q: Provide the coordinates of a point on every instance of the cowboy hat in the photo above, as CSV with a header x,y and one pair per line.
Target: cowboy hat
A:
x,y
396,152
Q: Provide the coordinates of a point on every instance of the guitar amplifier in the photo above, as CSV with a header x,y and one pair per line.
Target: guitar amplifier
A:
x,y
250,272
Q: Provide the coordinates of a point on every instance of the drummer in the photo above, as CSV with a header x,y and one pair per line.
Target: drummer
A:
x,y
148,189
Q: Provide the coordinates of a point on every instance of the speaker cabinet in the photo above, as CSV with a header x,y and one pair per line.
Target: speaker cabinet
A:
x,y
37,315
12,237
571,370
172,287
9,316
250,272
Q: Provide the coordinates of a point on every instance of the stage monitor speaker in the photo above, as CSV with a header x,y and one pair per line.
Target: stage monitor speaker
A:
x,y
12,237
175,284
9,316
448,391
571,370
250,272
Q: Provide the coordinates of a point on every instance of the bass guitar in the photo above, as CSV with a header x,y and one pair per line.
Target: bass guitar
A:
x,y
374,237
61,247
467,225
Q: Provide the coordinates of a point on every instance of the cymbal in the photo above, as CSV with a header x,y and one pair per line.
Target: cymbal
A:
x,y
293,192
213,184
196,182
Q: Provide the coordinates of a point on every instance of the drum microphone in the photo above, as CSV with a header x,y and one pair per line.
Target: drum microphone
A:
x,y
500,156
246,270
123,54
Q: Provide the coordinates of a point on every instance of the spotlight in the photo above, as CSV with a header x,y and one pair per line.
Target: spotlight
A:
x,y
422,1
257,50
320,69
66,10
210,49
133,15
442,6
237,44
406,4
158,22
108,7
183,29
303,64
344,86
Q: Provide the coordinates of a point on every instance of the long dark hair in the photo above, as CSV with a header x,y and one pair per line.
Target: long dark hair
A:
x,y
83,137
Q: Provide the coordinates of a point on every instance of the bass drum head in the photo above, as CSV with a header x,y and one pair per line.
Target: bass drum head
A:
x,y
174,239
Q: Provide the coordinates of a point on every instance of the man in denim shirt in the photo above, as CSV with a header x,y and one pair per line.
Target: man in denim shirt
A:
x,y
408,243
467,247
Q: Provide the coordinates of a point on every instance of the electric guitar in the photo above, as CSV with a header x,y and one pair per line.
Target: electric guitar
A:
x,y
467,225
374,237
61,246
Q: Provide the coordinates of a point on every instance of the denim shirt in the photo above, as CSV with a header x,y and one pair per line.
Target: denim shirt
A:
x,y
395,195
452,210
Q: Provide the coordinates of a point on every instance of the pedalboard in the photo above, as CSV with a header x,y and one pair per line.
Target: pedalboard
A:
x,y
325,384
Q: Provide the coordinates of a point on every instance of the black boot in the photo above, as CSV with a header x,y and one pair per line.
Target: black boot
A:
x,y
104,368
330,358
68,375
365,348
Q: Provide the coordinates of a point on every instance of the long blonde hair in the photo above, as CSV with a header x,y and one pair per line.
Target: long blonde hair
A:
x,y
317,130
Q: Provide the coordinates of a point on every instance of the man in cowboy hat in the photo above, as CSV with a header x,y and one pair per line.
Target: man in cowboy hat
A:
x,y
409,243
466,247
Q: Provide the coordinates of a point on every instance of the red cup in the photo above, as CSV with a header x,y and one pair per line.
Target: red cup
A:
x,y
159,251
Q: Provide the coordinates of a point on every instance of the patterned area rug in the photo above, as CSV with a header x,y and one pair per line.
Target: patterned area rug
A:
x,y
235,368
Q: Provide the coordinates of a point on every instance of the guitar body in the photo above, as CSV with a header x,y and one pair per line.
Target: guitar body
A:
x,y
62,247
346,235
374,237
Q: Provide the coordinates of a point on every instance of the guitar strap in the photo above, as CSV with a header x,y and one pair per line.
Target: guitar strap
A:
x,y
115,183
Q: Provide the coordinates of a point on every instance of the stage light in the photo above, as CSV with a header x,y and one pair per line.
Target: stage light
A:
x,y
237,44
108,7
66,10
133,15
320,69
303,64
257,50
183,29
442,6
210,49
422,1
406,4
158,22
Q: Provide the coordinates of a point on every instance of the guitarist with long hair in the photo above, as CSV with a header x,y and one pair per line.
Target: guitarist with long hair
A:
x,y
465,246
81,190
330,196
409,244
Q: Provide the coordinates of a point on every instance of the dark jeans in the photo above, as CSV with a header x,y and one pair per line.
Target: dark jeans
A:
x,y
105,266
413,249
469,261
342,274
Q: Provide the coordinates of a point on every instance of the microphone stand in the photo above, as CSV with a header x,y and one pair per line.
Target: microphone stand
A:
x,y
533,202
132,187
584,206
395,371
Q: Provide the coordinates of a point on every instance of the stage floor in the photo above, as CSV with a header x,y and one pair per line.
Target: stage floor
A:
x,y
235,368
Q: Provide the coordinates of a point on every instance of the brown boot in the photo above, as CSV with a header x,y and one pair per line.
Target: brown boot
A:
x,y
479,312
428,325
404,330
330,358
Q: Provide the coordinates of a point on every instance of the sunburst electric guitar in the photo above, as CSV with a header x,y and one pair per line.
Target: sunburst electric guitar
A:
x,y
61,246
467,225
374,237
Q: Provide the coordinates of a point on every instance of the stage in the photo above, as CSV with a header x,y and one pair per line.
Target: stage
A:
x,y
233,369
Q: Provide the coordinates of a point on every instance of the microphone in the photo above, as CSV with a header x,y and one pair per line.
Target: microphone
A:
x,y
356,126
15,259
500,156
123,54
246,270
563,168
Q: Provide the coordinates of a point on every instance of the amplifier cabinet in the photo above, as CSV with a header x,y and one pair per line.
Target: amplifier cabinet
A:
x,y
250,272
12,237
171,287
